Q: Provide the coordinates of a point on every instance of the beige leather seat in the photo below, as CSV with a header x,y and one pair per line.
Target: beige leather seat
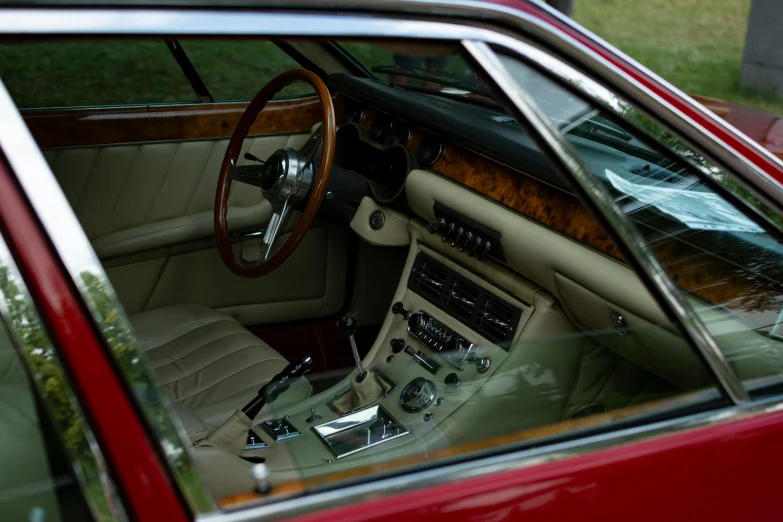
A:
x,y
209,364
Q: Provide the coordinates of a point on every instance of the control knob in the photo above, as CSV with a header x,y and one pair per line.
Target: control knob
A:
x,y
397,345
416,321
397,309
452,381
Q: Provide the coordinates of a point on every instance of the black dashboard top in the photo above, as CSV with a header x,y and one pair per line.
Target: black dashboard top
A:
x,y
484,130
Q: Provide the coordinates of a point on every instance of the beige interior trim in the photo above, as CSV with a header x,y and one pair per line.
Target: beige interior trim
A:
x,y
395,228
534,251
178,230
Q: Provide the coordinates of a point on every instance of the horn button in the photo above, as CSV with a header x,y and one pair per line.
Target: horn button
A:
x,y
285,176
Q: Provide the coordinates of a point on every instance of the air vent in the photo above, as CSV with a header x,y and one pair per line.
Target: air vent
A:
x,y
497,320
462,299
429,279
478,308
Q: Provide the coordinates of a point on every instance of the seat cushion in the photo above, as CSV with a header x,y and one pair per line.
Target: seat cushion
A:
x,y
207,361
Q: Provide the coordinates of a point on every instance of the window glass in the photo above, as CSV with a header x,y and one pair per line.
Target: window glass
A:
x,y
37,482
728,266
528,365
237,70
88,73
420,66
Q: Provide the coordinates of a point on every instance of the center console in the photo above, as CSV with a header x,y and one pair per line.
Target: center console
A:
x,y
445,337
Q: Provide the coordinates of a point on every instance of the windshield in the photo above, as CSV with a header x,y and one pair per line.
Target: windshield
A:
x,y
435,68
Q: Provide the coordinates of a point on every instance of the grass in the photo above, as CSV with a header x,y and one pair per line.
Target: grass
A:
x,y
695,44
62,74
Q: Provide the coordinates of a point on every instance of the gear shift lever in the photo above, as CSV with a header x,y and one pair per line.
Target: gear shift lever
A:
x,y
348,326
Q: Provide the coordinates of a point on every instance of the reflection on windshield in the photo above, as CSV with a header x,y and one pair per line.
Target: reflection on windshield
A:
x,y
428,67
729,267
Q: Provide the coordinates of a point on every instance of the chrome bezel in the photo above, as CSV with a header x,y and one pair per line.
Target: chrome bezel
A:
x,y
421,400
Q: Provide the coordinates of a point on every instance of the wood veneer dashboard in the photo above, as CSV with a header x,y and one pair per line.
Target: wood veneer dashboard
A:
x,y
534,199
695,270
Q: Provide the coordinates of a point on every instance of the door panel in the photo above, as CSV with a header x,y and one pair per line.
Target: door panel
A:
x,y
147,208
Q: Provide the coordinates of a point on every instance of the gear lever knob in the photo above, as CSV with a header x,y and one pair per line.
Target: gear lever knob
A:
x,y
347,326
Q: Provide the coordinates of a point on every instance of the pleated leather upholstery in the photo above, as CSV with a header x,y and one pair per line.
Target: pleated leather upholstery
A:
x,y
207,361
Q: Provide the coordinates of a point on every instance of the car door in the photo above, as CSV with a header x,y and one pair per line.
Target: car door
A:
x,y
712,452
138,159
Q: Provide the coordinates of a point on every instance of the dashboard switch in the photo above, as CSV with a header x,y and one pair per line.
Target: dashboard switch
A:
x,y
476,246
486,250
460,233
468,240
452,228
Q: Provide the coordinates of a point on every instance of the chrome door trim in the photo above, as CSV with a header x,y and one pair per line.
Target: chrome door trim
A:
x,y
557,147
77,255
101,495
482,466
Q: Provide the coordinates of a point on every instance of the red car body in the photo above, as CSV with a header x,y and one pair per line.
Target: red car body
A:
x,y
718,472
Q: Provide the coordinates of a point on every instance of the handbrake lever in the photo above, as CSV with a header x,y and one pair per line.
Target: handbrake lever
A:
x,y
279,383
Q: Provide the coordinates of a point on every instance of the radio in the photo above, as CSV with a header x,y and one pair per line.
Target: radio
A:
x,y
438,337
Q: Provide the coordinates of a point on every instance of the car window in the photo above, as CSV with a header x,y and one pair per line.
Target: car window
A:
x,y
37,482
238,69
486,357
90,73
727,265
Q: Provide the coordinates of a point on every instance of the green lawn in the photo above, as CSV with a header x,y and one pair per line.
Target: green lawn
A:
x,y
695,44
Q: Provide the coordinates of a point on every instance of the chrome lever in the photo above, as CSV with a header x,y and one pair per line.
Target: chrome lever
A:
x,y
496,321
463,300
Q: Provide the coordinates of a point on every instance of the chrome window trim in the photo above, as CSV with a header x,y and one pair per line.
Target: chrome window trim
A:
x,y
487,465
76,252
101,496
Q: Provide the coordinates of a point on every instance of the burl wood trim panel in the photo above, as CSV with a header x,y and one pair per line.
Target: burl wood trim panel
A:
x,y
113,125
534,199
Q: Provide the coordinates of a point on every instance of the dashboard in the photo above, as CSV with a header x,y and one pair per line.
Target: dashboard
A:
x,y
386,132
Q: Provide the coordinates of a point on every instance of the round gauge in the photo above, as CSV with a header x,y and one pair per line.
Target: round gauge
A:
x,y
417,395
378,127
430,150
352,114
398,132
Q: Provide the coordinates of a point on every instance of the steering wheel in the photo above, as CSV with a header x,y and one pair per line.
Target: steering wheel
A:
x,y
287,179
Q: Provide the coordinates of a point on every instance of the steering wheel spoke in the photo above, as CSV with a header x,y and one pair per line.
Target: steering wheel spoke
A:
x,y
249,174
308,150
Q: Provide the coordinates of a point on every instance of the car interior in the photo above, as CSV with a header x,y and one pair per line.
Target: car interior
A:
x,y
385,270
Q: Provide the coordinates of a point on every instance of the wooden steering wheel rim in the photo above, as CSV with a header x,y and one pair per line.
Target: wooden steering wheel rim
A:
x,y
319,183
